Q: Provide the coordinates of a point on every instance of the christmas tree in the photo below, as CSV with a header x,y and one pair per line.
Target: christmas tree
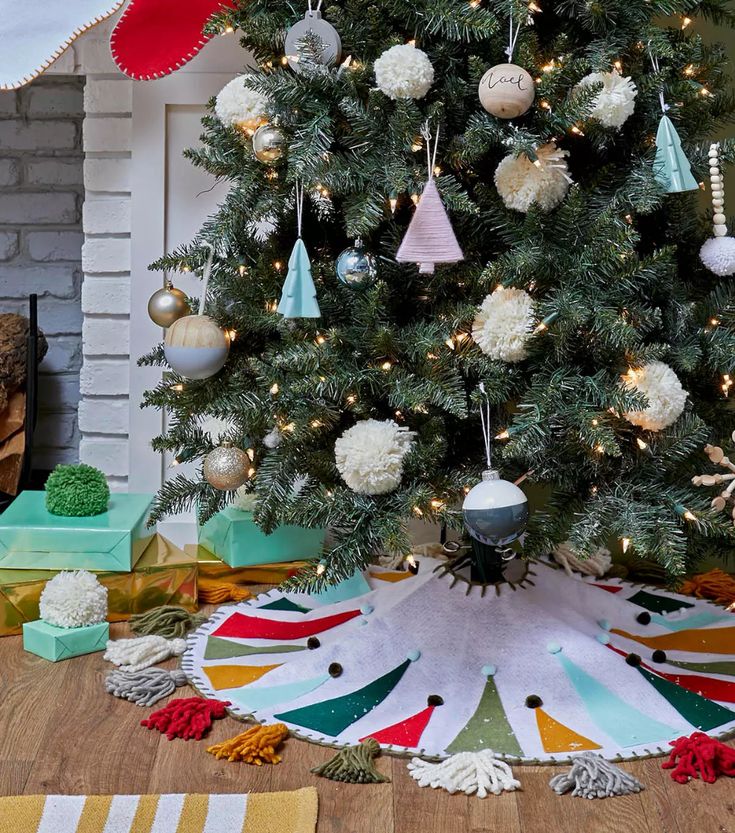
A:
x,y
603,343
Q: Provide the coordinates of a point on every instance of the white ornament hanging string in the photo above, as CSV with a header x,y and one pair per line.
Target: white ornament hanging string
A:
x,y
654,63
299,190
205,277
485,420
430,155
316,10
512,36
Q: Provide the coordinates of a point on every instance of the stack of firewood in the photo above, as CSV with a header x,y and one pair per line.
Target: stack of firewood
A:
x,y
13,348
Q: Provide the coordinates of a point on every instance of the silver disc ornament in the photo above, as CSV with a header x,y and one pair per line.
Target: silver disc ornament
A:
x,y
356,267
314,23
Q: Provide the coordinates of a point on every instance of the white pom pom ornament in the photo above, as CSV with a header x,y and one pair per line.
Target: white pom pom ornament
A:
x,y
545,181
615,102
503,324
369,456
718,253
240,107
404,72
662,388
73,600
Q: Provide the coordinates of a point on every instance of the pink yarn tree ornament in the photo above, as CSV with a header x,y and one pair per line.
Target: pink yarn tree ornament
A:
x,y
429,238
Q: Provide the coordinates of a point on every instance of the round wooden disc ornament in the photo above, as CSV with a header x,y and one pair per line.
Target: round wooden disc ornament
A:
x,y
196,346
314,23
506,91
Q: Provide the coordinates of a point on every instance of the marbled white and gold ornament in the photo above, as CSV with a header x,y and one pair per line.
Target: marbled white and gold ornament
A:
x,y
226,467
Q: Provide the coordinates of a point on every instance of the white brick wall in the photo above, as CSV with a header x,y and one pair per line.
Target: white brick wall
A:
x,y
41,174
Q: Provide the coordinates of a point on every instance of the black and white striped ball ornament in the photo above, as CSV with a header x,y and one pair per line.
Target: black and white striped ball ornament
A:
x,y
495,510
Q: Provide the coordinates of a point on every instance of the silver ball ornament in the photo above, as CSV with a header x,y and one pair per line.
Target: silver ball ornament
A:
x,y
495,511
167,305
226,467
314,23
356,267
268,144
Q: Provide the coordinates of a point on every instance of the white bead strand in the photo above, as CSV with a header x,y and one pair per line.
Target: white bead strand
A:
x,y
718,253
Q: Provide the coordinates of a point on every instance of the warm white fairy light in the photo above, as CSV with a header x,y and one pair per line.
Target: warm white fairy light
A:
x,y
321,568
686,21
642,444
726,384
386,366
274,388
251,454
503,435
625,543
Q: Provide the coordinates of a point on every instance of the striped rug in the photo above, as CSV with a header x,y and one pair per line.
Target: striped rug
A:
x,y
280,812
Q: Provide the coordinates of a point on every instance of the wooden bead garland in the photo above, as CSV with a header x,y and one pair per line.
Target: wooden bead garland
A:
x,y
718,253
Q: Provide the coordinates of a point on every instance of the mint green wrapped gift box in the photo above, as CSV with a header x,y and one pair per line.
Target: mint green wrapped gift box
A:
x,y
233,536
31,538
55,644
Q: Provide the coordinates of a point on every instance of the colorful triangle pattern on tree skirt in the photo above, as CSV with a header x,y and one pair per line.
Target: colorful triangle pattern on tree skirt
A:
x,y
337,672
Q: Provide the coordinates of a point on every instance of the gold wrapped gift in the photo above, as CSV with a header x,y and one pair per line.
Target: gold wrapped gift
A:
x,y
164,574
212,567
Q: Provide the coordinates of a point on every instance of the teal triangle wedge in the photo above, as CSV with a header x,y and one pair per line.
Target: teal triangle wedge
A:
x,y
698,620
623,723
285,604
254,699
331,717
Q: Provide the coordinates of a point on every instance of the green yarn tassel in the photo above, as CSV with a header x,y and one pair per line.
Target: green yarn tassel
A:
x,y
168,620
354,765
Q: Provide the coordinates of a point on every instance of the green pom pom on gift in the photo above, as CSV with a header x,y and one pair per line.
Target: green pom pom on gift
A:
x,y
77,491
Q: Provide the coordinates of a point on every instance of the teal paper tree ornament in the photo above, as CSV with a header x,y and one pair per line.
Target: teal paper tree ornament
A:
x,y
671,168
299,293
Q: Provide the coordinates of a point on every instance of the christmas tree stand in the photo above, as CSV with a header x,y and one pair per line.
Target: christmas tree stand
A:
x,y
548,665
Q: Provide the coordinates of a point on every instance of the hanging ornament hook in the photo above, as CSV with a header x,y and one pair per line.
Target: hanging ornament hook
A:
x,y
485,420
512,35
655,65
299,191
430,155
205,276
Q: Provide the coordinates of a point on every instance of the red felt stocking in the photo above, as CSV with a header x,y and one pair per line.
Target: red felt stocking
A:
x,y
154,38
186,717
700,756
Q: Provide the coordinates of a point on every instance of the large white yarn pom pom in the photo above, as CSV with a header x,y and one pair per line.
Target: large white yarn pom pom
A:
x,y
503,324
718,255
369,456
404,72
239,106
73,600
521,182
666,397
616,100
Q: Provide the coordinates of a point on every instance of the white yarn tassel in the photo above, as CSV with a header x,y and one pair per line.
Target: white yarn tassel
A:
x,y
143,651
591,776
596,565
466,772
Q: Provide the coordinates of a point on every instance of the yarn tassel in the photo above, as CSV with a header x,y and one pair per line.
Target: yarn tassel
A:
x,y
144,688
591,776
596,565
142,652
211,591
715,584
255,746
354,765
186,717
699,756
169,621
466,772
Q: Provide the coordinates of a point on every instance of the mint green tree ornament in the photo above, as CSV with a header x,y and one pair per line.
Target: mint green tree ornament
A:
x,y
298,299
671,167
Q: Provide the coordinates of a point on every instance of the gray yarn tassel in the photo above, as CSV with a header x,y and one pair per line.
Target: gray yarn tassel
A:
x,y
146,687
591,776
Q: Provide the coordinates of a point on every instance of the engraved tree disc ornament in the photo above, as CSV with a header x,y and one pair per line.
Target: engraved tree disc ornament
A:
x,y
506,91
313,23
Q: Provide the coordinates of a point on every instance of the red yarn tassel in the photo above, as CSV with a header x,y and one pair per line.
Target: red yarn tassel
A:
x,y
700,756
186,717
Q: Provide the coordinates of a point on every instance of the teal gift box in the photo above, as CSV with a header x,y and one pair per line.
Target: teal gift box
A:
x,y
31,538
55,644
233,536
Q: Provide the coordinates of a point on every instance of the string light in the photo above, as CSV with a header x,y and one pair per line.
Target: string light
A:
x,y
437,504
320,339
232,334
386,366
503,435
689,70
705,92
685,513
415,199
316,423
642,444
418,512
242,270
177,388
600,448
393,202
545,105
577,131
714,321
544,325
411,561
251,472
532,7
450,343
351,399
595,422
625,543
321,568
686,21
277,265
618,66
726,384
274,388
548,67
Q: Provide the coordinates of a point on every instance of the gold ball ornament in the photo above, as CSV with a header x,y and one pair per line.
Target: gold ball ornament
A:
x,y
196,347
268,144
506,91
226,467
167,305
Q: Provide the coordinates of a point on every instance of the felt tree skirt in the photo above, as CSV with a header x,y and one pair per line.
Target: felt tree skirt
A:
x,y
558,665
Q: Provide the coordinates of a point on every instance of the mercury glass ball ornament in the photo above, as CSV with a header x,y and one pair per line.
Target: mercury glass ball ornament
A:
x,y
226,467
196,347
268,144
167,305
356,267
495,510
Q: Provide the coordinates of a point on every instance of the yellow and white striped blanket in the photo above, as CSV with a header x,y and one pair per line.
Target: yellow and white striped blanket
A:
x,y
279,812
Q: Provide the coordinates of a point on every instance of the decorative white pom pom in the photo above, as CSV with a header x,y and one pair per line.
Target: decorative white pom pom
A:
x,y
218,429
616,100
369,456
666,397
243,500
404,72
503,324
521,182
239,106
718,255
273,438
73,600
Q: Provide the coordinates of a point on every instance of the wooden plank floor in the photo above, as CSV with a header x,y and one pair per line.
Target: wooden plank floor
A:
x,y
61,733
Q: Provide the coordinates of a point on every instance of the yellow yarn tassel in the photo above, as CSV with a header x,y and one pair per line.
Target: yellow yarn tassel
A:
x,y
716,585
255,746
216,592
